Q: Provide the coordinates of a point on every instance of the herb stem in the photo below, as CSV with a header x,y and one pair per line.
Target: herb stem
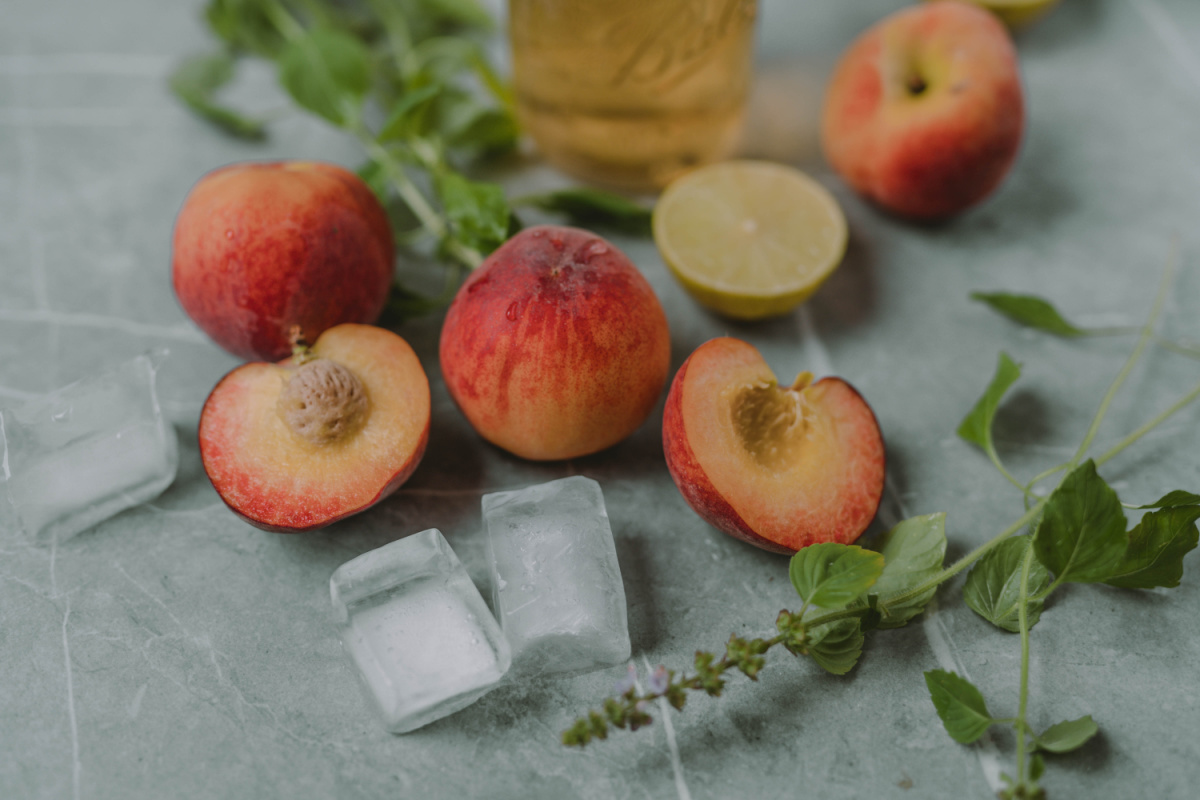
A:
x,y
1173,409
1177,347
995,459
416,201
1021,724
284,22
1146,336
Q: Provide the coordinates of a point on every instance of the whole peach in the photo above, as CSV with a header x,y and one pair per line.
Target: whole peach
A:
x,y
556,346
924,112
260,247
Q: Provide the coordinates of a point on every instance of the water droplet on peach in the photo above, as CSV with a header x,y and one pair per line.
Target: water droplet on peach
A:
x,y
594,249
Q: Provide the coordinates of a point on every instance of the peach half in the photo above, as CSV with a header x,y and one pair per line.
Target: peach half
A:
x,y
778,467
317,437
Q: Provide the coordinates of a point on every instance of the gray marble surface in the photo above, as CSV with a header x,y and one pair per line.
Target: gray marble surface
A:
x,y
176,652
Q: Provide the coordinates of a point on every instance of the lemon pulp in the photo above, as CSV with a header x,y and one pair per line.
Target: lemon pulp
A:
x,y
749,239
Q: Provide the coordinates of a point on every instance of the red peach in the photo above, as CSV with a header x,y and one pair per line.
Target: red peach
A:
x,y
556,346
924,112
261,247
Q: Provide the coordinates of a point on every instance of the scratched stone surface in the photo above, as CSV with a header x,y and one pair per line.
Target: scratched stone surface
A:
x,y
174,651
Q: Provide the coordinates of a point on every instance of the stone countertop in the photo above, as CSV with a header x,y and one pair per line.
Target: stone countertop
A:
x,y
174,651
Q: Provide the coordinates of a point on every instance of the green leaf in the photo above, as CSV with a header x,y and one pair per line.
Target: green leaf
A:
x,y
913,551
1174,499
1067,736
244,25
959,704
832,575
976,427
403,122
594,208
993,587
442,58
478,212
490,131
327,72
196,80
458,12
1031,311
836,646
1081,537
375,177
1037,766
1156,549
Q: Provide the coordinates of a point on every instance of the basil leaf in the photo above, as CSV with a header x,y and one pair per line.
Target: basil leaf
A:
x,y
1067,736
593,208
403,121
477,212
993,587
327,72
1156,549
1174,500
376,179
458,12
196,80
960,705
1081,537
1028,310
976,427
913,551
832,575
836,646
490,131
244,25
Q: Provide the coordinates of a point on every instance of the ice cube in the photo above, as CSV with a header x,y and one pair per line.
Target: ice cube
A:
x,y
81,454
555,579
418,630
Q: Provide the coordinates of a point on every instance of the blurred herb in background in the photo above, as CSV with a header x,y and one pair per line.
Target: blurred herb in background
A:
x,y
411,80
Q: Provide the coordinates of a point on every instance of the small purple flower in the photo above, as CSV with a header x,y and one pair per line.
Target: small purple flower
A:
x,y
658,680
625,684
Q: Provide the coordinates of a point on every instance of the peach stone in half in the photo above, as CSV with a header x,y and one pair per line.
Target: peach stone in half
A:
x,y
280,480
780,468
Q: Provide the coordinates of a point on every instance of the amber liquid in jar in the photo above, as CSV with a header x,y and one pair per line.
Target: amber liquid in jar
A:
x,y
631,93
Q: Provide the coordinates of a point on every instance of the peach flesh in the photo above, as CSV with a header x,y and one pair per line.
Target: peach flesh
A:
x,y
556,347
924,112
281,481
780,468
260,247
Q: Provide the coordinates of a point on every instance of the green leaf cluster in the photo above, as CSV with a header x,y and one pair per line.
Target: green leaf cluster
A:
x,y
1082,538
416,64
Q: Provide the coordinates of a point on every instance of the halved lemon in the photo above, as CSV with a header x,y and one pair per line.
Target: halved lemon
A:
x,y
749,239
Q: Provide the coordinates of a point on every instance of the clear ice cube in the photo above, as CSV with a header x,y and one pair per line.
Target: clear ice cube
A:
x,y
556,584
422,638
80,454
